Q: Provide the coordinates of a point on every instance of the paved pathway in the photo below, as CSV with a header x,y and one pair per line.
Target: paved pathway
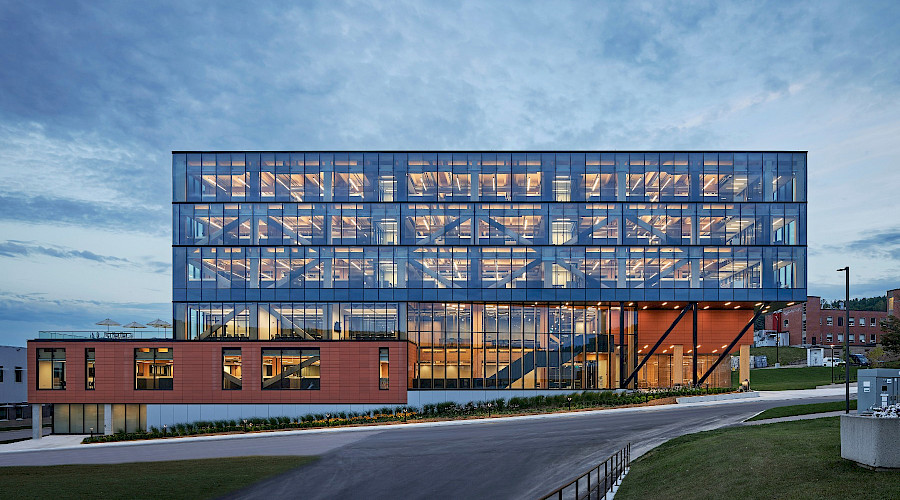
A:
x,y
513,457
810,416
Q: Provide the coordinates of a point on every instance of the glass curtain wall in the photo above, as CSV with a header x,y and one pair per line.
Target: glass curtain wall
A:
x,y
506,346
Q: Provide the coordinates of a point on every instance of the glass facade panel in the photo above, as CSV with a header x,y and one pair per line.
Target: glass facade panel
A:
x,y
489,262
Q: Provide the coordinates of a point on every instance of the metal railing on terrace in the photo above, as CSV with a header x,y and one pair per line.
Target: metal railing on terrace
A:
x,y
103,335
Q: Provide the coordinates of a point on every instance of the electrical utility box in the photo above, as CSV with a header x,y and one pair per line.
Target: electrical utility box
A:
x,y
877,388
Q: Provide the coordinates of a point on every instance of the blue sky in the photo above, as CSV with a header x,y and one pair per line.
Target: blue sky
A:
x,y
95,95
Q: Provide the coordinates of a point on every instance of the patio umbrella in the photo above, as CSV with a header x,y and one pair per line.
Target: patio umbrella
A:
x,y
158,323
134,325
108,323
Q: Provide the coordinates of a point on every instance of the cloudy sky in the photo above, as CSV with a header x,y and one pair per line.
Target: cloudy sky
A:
x,y
95,95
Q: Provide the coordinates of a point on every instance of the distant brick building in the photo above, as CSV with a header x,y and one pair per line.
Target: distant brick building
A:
x,y
809,324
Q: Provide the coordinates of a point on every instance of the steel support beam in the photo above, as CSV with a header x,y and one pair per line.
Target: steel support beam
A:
x,y
727,350
694,350
622,364
691,305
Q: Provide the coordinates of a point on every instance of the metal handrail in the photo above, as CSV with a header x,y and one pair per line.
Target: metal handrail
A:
x,y
583,487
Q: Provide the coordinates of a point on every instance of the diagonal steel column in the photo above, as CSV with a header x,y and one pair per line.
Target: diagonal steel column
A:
x,y
732,344
691,305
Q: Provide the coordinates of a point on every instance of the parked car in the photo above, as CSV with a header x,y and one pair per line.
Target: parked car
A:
x,y
859,360
833,362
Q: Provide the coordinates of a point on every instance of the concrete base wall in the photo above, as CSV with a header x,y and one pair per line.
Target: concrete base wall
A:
x,y
717,397
870,441
171,414
420,398
159,415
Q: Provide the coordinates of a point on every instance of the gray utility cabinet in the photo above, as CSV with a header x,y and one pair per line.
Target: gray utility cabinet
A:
x,y
877,387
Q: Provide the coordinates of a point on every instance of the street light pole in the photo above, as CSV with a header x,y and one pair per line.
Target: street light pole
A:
x,y
846,339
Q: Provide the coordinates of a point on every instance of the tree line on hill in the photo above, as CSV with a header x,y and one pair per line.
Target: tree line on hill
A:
x,y
862,304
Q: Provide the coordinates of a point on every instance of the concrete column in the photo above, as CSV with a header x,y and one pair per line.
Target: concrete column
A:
x,y
107,419
744,363
678,364
37,421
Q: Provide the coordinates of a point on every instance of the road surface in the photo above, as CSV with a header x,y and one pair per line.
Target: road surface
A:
x,y
493,458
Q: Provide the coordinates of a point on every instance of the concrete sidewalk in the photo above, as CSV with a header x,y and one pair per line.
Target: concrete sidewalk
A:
x,y
792,418
74,441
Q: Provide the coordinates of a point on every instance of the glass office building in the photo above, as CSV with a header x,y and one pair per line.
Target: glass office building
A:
x,y
506,270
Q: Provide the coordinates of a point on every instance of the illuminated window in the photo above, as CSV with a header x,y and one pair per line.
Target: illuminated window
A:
x,y
290,369
89,358
383,369
51,369
231,369
153,368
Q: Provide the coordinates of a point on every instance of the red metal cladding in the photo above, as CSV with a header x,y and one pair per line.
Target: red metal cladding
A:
x,y
349,373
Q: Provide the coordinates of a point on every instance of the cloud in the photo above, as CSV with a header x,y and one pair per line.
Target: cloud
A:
x,y
22,316
883,244
869,288
22,249
39,209
96,94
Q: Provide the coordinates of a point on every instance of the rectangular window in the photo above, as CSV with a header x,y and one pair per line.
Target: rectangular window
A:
x,y
862,321
231,369
20,412
785,323
153,368
290,369
51,369
873,322
840,321
89,369
829,338
851,337
19,371
1,374
829,321
840,337
383,369
4,413
873,339
852,321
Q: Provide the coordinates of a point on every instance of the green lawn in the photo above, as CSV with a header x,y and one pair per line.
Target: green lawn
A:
x,y
208,478
786,355
807,409
783,379
799,459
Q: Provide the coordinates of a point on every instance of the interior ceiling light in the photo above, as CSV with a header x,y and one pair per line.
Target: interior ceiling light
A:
x,y
706,307
664,303
644,307
728,303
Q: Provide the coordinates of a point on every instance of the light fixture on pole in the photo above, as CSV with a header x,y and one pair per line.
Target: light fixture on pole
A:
x,y
846,271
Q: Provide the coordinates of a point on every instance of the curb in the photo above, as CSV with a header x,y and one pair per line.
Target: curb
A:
x,y
716,397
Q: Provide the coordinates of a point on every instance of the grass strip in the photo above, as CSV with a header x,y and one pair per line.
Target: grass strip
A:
x,y
807,409
800,459
786,355
786,379
204,478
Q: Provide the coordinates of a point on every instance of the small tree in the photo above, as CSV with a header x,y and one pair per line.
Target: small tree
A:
x,y
890,337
